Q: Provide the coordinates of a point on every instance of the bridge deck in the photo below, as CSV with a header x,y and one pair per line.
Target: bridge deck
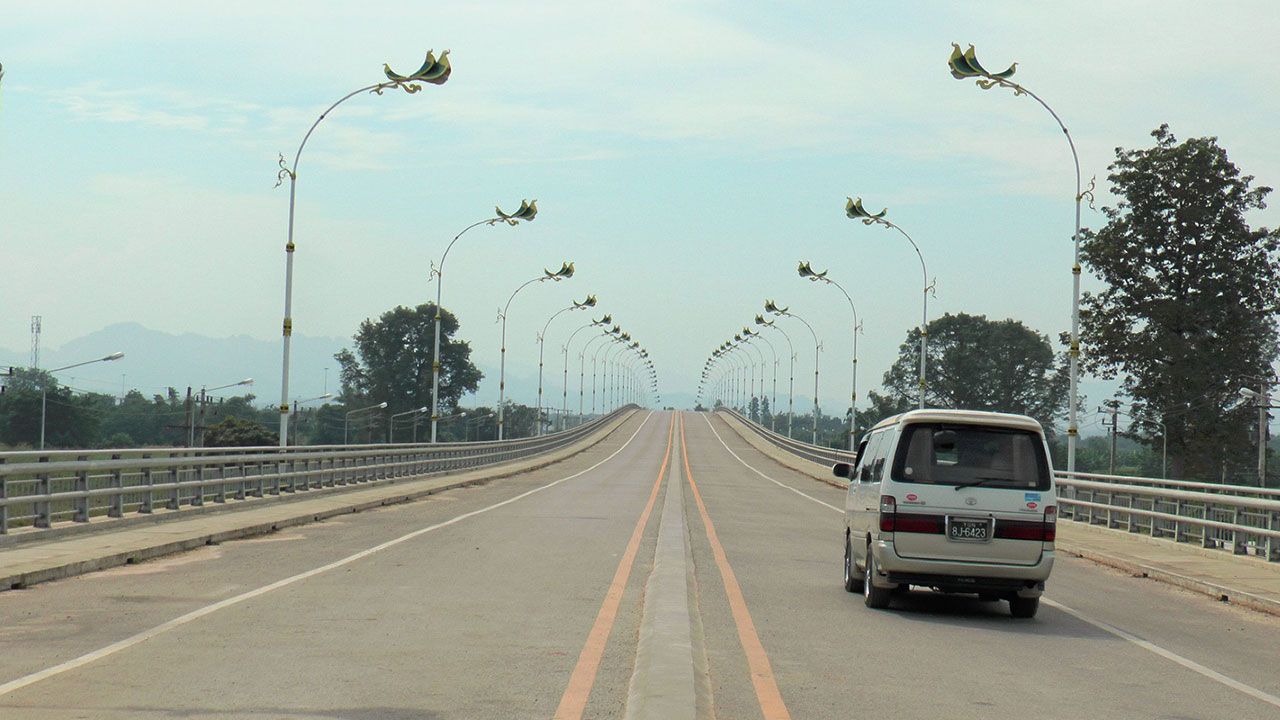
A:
x,y
526,598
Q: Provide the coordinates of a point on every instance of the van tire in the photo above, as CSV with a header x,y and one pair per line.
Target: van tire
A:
x,y
852,578
873,597
1024,608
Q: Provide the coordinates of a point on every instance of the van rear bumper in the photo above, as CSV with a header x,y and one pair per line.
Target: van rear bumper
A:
x,y
952,576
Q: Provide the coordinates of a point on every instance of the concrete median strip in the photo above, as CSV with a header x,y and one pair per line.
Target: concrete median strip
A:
x,y
37,562
663,681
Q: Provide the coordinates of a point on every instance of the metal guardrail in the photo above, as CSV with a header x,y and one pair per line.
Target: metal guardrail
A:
x,y
39,489
815,453
1239,518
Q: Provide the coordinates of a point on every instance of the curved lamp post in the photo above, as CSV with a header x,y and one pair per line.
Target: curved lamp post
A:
x,y
589,302
564,273
611,335
853,209
744,339
791,382
434,71
203,399
346,420
806,271
44,390
582,370
964,66
527,212
564,402
772,307
297,404
773,404
391,422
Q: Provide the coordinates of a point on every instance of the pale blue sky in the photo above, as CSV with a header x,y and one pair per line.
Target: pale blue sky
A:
x,y
684,155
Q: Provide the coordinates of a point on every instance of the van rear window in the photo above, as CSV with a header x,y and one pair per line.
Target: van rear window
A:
x,y
940,454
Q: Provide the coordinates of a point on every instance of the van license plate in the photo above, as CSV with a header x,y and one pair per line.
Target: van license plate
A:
x,y
969,530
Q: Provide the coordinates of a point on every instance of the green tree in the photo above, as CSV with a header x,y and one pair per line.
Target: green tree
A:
x,y
234,432
393,357
1188,314
981,364
70,420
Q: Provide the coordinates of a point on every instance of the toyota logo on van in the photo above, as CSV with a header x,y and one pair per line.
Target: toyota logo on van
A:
x,y
971,501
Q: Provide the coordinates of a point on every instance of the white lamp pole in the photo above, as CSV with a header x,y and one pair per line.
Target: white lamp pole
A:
x,y
433,71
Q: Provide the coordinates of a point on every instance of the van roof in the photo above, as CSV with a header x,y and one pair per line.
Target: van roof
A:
x,y
976,417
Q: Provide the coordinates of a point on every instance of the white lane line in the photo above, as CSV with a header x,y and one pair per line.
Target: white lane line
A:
x,y
1168,654
1144,644
766,477
145,635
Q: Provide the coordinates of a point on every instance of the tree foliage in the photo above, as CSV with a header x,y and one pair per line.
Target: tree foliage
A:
x,y
392,361
234,432
1188,314
980,364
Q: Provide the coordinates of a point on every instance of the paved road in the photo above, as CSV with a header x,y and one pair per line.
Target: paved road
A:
x,y
671,571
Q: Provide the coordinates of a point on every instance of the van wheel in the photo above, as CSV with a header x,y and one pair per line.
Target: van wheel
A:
x,y
872,596
1021,607
852,580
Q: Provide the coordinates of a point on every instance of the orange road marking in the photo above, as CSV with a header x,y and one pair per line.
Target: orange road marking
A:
x,y
574,700
766,686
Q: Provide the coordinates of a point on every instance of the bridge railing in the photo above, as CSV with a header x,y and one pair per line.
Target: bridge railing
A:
x,y
40,489
1238,518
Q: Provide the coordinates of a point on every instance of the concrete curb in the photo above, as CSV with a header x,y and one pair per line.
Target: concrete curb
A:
x,y
1220,592
108,557
1223,593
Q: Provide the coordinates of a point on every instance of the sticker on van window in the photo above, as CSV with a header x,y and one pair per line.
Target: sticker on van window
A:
x,y
1031,497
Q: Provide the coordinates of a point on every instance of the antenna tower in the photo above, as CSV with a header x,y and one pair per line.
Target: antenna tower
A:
x,y
35,341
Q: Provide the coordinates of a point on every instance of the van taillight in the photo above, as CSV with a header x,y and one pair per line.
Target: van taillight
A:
x,y
888,506
1050,523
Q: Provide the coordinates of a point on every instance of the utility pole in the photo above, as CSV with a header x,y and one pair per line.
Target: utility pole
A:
x,y
191,418
1264,402
1114,410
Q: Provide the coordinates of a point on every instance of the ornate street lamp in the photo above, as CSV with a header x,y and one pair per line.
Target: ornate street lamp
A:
x,y
853,209
589,302
791,382
806,271
564,401
772,307
564,273
964,66
773,404
434,71
527,212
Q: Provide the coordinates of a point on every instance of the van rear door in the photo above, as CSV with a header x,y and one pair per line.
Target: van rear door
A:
x,y
970,493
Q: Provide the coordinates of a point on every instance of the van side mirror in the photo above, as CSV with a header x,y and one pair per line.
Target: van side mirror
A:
x,y
842,470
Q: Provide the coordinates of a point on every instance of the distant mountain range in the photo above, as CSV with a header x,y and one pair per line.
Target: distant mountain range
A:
x,y
155,360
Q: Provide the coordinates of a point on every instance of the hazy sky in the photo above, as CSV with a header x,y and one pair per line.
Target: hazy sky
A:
x,y
684,155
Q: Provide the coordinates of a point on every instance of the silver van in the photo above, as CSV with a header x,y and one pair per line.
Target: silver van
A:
x,y
955,500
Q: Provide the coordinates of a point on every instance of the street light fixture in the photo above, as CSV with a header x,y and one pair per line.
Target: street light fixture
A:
x,y
806,271
791,382
298,419
434,71
527,212
772,307
964,66
854,210
564,273
391,422
44,389
586,304
773,404
347,419
564,409
201,401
